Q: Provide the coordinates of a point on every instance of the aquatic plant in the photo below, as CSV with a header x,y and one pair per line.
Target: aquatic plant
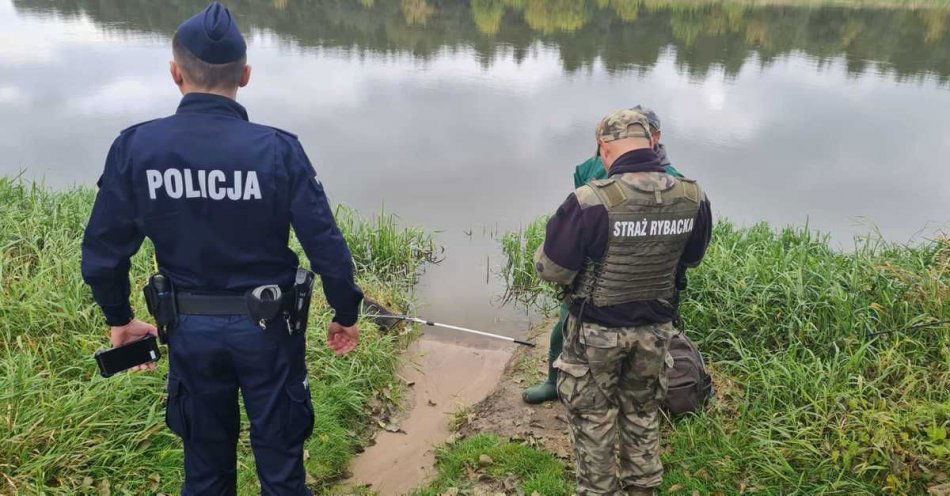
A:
x,y
380,246
522,284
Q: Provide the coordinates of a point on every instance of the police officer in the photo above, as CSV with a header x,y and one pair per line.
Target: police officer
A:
x,y
592,168
615,244
217,195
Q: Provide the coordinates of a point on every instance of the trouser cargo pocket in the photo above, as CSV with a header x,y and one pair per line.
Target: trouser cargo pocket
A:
x,y
298,423
201,416
175,417
577,389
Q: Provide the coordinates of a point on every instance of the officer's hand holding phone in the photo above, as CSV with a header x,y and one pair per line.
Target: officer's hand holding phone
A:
x,y
131,332
343,339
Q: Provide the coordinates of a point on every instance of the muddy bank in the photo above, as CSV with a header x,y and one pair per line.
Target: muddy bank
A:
x,y
503,412
444,378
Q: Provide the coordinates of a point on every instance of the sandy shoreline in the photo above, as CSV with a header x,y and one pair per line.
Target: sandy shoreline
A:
x,y
444,377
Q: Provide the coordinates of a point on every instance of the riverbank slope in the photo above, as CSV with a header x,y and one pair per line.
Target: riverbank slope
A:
x,y
810,399
65,430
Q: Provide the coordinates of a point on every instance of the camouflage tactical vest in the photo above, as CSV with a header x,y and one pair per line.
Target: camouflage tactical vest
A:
x,y
651,217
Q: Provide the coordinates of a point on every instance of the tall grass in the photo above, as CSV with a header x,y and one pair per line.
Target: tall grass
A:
x,y
383,248
64,430
522,285
811,400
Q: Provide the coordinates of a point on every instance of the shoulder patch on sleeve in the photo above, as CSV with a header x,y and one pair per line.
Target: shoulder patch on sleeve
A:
x,y
587,197
133,126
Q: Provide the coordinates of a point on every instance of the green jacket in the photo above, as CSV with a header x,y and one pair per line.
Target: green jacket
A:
x,y
593,168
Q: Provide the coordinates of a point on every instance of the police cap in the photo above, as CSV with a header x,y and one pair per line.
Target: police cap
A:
x,y
213,36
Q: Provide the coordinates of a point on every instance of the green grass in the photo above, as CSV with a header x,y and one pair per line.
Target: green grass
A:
x,y
530,470
810,402
522,285
384,249
65,430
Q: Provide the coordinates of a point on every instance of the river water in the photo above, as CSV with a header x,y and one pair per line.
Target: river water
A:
x,y
467,117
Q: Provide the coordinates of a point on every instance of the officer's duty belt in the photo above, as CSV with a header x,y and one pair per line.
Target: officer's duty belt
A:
x,y
203,304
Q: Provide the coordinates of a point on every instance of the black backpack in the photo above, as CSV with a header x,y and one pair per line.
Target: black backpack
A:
x,y
689,384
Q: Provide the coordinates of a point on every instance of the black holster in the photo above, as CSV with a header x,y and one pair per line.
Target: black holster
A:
x,y
300,306
160,299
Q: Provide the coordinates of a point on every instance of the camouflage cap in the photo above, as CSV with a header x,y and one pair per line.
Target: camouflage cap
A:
x,y
621,124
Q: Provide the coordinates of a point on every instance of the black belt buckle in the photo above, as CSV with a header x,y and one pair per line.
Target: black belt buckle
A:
x,y
263,304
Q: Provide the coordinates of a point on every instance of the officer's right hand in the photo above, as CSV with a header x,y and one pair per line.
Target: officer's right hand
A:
x,y
133,331
343,339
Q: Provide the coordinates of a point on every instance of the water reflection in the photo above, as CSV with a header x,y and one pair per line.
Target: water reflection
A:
x,y
624,34
478,110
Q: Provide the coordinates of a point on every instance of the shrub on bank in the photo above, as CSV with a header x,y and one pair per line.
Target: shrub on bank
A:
x,y
810,399
65,430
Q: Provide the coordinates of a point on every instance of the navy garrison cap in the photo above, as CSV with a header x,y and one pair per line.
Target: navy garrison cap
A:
x,y
213,35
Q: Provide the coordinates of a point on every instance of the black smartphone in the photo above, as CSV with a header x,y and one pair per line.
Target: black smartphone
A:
x,y
115,360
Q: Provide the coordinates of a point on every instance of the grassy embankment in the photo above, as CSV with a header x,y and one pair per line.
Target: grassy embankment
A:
x,y
65,430
808,403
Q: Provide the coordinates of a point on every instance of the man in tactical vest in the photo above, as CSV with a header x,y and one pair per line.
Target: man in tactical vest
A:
x,y
217,195
592,168
615,245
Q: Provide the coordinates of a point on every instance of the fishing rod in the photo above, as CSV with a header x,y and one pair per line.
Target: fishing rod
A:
x,y
417,320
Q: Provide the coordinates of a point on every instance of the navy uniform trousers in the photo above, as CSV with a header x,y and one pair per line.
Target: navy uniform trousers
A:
x,y
211,359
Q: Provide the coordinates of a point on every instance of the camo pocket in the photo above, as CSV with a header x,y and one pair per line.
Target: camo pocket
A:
x,y
577,389
664,333
596,337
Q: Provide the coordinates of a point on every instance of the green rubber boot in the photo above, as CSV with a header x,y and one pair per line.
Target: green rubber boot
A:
x,y
547,390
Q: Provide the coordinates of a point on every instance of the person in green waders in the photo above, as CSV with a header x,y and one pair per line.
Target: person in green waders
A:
x,y
591,169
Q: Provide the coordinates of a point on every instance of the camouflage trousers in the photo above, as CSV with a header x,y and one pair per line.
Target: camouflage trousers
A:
x,y
611,381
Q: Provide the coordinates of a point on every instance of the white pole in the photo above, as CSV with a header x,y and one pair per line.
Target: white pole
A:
x,y
457,328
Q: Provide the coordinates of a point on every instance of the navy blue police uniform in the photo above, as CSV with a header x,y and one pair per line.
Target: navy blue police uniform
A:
x,y
217,196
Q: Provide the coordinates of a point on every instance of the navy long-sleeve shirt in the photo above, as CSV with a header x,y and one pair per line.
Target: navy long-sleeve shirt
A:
x,y
217,195
575,234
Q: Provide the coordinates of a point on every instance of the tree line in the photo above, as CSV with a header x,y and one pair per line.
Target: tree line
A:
x,y
910,42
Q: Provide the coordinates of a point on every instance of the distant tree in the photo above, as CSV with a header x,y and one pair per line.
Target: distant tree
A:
x,y
417,12
551,16
487,15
